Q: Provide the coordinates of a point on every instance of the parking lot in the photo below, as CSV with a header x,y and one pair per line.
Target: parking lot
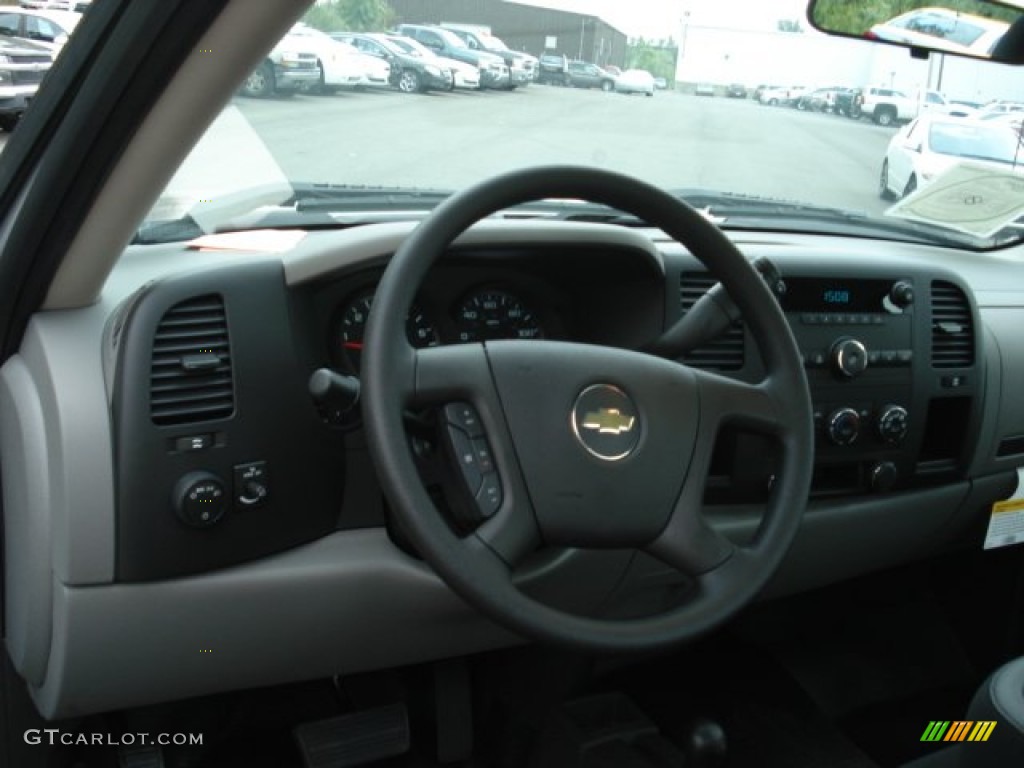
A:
x,y
718,143
448,140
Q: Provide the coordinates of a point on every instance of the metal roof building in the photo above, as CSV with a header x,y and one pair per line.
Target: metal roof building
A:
x,y
525,27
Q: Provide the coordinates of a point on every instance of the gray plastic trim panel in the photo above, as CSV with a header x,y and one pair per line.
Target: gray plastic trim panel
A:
x,y
26,494
320,254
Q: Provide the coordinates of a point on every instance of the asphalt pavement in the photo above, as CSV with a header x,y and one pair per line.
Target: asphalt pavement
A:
x,y
449,140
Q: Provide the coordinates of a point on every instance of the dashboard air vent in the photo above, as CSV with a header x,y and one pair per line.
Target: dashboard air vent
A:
x,y
190,375
724,353
952,327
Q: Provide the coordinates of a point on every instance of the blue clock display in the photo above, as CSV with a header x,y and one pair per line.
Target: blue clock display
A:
x,y
833,296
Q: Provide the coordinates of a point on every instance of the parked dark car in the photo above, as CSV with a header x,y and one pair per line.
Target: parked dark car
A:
x,y
494,72
736,91
521,66
409,74
552,68
583,74
848,101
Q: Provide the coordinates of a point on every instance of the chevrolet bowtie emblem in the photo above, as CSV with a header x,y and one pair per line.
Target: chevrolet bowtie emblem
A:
x,y
608,421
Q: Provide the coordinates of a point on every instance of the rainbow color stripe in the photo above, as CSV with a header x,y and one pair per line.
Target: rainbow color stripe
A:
x,y
958,730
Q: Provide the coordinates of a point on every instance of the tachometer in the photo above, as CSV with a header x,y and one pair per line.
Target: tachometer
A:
x,y
493,314
418,328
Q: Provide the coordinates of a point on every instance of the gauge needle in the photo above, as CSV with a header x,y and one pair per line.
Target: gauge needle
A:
x,y
353,345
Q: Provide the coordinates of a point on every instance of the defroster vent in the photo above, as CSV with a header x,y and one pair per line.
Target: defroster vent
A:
x,y
952,327
190,377
724,353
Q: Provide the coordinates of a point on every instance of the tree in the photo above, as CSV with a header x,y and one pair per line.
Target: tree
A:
x,y
855,17
659,60
790,25
351,15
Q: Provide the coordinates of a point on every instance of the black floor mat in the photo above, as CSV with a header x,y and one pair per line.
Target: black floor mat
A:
x,y
769,721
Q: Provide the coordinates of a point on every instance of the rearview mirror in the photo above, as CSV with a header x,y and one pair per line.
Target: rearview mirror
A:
x,y
975,28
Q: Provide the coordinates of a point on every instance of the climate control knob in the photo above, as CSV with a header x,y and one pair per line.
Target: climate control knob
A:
x,y
893,423
849,357
843,426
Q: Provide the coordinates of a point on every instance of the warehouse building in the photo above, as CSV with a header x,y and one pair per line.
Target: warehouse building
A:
x,y
526,27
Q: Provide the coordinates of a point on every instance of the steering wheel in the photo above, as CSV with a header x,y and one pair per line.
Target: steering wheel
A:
x,y
595,446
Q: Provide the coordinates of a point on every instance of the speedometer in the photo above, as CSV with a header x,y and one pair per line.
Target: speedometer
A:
x,y
491,314
418,328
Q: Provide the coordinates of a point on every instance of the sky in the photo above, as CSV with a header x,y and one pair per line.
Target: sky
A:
x,y
659,19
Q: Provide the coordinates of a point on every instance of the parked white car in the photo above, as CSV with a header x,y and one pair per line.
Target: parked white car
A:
x,y
932,144
49,29
341,65
635,81
782,96
942,28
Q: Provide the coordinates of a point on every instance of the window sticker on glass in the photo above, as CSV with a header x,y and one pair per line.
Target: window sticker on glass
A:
x,y
969,198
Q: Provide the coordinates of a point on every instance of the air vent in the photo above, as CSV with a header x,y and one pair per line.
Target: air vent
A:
x,y
190,376
952,327
722,354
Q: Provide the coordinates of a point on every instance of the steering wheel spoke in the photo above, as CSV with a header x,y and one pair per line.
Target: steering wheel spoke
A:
x,y
688,543
755,407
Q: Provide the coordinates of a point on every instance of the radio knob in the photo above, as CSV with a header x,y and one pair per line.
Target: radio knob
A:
x,y
893,423
902,294
849,357
843,426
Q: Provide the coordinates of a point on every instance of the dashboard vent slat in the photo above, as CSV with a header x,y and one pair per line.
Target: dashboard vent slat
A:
x,y
178,395
952,327
725,353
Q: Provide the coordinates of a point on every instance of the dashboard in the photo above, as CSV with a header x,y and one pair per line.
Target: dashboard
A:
x,y
168,469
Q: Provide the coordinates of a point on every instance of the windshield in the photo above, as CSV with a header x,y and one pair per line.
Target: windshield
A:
x,y
713,106
983,142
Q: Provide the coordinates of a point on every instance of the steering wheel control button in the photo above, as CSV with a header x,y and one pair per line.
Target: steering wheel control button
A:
x,y
198,499
466,459
488,498
464,416
606,422
849,357
483,455
251,487
843,426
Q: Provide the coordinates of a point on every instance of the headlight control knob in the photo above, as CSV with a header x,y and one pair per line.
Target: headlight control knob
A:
x,y
849,357
200,499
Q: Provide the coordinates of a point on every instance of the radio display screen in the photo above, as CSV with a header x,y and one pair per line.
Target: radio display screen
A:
x,y
825,294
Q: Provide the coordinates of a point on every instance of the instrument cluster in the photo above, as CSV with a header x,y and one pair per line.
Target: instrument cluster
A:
x,y
484,313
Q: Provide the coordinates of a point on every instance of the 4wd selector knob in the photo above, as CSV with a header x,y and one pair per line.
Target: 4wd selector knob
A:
x,y
843,426
893,423
849,357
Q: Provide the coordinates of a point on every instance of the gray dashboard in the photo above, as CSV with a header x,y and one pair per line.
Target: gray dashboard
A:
x,y
312,582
